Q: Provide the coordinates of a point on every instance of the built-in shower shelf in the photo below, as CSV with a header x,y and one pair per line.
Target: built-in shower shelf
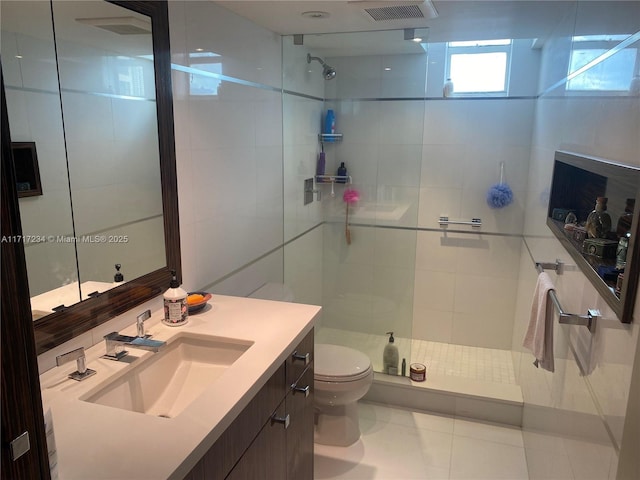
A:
x,y
334,179
330,137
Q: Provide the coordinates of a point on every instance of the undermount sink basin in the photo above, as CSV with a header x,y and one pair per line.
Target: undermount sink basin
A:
x,y
168,381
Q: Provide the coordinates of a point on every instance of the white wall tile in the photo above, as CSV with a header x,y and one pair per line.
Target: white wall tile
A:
x,y
434,290
600,126
246,51
433,325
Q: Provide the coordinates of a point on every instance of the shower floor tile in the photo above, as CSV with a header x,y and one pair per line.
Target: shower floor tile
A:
x,y
441,359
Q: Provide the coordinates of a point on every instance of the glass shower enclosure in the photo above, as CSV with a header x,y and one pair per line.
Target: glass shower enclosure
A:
x,y
368,252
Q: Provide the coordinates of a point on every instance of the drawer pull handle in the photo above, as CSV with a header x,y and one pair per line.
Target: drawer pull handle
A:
x,y
306,358
283,420
297,389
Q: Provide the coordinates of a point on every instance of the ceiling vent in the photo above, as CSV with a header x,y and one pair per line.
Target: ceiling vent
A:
x,y
400,12
119,25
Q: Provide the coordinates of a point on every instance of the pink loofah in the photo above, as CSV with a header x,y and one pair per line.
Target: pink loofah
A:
x,y
351,196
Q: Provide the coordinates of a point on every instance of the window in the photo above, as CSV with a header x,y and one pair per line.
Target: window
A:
x,y
205,73
479,67
598,66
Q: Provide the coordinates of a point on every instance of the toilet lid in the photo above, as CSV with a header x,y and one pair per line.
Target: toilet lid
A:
x,y
334,363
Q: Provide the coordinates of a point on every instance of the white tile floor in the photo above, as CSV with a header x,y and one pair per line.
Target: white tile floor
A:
x,y
398,444
486,364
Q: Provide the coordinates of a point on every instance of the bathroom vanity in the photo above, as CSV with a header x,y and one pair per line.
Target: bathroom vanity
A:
x,y
273,436
252,419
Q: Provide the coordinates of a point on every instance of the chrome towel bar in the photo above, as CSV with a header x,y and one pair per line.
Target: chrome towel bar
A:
x,y
588,320
475,222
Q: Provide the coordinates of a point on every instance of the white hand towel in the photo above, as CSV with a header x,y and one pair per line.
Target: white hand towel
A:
x,y
539,336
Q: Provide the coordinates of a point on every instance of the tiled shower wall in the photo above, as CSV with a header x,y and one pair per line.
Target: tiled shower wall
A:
x,y
243,154
229,150
591,406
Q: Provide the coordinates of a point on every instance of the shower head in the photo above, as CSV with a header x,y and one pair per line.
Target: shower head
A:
x,y
328,72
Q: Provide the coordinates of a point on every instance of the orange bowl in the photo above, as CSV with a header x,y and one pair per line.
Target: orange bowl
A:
x,y
198,303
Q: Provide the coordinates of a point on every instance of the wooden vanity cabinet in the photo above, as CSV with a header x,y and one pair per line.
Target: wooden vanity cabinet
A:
x,y
272,438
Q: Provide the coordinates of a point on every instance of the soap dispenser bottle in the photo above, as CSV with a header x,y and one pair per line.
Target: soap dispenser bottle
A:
x,y
176,310
390,357
118,278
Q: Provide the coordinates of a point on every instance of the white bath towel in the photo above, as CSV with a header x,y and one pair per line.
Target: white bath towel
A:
x,y
539,336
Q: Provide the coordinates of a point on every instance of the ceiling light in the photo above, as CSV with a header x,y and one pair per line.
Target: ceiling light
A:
x,y
417,39
315,14
387,69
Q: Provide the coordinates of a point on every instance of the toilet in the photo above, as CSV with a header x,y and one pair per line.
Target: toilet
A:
x,y
342,376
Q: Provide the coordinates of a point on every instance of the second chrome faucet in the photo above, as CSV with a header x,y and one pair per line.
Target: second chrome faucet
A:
x,y
115,342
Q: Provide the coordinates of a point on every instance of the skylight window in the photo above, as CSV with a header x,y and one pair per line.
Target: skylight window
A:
x,y
479,67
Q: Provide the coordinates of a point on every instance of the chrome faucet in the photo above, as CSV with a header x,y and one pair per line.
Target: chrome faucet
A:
x,y
142,341
78,355
114,340
146,315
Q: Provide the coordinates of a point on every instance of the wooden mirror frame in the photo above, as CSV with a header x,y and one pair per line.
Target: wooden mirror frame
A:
x,y
63,325
623,306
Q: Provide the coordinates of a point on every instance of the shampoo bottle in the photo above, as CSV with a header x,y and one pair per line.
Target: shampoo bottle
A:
x,y
330,122
320,166
342,173
176,310
390,357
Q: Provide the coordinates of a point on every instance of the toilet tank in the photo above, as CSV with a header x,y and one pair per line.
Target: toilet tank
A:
x,y
274,291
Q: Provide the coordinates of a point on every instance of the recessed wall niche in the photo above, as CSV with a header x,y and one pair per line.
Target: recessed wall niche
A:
x,y
25,159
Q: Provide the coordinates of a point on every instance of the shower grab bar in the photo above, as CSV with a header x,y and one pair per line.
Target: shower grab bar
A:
x,y
589,320
475,222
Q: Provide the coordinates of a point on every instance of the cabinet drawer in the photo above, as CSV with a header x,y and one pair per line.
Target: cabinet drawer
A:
x,y
300,432
265,460
300,359
235,440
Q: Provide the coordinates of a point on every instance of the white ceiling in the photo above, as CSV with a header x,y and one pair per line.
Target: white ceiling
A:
x,y
456,20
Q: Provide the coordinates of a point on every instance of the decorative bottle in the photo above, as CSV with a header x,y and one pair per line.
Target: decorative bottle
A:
x,y
599,221
626,219
621,252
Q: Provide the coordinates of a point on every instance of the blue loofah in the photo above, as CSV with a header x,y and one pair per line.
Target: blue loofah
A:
x,y
499,195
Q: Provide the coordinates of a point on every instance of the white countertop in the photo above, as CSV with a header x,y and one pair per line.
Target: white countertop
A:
x,y
99,442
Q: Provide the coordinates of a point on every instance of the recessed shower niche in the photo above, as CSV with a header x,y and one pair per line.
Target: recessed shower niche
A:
x,y
610,256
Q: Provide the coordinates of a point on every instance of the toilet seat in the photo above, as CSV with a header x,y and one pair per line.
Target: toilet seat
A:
x,y
335,363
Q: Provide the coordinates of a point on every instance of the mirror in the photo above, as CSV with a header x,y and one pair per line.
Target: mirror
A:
x,y
98,106
106,140
593,211
33,104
